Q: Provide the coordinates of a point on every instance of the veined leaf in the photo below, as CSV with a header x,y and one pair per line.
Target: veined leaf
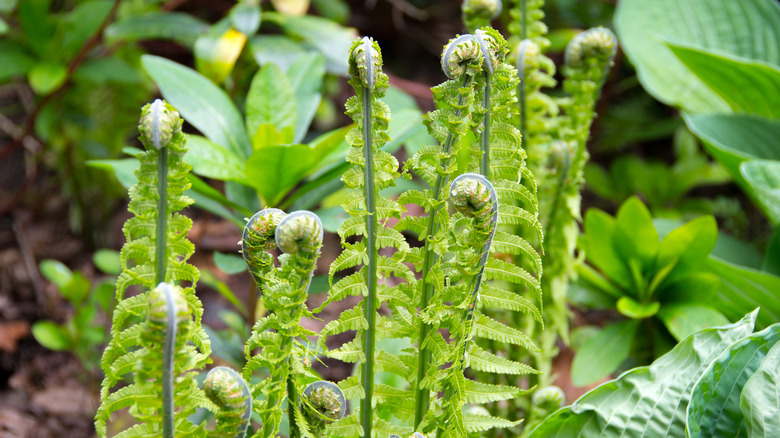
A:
x,y
763,177
760,398
480,423
646,401
714,407
478,392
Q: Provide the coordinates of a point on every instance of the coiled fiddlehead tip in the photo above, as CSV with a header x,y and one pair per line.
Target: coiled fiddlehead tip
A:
x,y
549,398
260,230
227,389
158,304
462,55
526,56
327,398
365,61
481,9
299,231
493,47
159,122
474,196
598,43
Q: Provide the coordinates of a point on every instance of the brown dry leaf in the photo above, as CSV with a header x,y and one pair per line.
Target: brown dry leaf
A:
x,y
11,332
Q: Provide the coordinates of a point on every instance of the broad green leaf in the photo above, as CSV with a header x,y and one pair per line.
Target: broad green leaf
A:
x,y
38,27
646,401
108,261
176,26
275,170
603,353
277,49
772,260
748,86
746,28
212,160
727,247
56,272
104,70
47,77
685,319
763,176
201,103
306,75
51,335
80,24
635,234
599,250
743,288
629,307
245,17
688,245
714,406
732,139
271,101
330,39
760,398
14,60
229,263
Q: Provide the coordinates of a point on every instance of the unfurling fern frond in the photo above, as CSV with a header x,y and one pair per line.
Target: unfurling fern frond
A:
x,y
156,334
278,341
230,392
372,170
479,13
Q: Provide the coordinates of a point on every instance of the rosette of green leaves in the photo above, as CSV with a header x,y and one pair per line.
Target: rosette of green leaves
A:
x,y
662,288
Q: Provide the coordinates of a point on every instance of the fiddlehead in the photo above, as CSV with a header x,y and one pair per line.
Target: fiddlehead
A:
x,y
372,170
462,59
323,403
156,248
479,13
229,391
279,335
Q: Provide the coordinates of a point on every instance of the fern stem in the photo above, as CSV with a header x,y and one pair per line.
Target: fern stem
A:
x,y
162,216
422,395
292,401
169,351
369,343
485,139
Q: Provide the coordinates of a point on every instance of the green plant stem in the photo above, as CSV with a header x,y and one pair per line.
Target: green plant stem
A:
x,y
168,361
366,409
292,401
485,138
422,396
161,252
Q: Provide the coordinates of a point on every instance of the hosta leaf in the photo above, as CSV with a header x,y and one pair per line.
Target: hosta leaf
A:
x,y
714,408
646,401
741,82
763,177
760,398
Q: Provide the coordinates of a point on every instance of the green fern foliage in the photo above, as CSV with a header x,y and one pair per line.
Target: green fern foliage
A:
x,y
278,341
156,248
372,170
230,392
